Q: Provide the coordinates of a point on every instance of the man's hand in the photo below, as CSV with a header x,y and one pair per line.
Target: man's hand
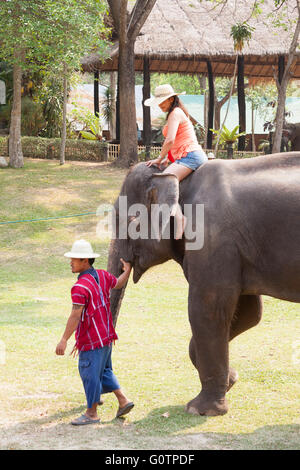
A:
x,y
61,347
123,278
126,266
71,326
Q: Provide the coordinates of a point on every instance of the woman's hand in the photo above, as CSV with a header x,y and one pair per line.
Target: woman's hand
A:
x,y
156,162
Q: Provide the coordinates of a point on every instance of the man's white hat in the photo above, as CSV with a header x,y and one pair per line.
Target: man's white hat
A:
x,y
161,93
81,249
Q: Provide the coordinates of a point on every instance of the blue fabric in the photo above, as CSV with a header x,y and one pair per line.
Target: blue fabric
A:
x,y
95,369
193,159
91,271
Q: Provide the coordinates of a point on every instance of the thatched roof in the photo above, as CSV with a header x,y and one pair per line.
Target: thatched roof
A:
x,y
179,35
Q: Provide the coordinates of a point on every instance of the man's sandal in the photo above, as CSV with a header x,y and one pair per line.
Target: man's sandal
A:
x,y
123,411
83,420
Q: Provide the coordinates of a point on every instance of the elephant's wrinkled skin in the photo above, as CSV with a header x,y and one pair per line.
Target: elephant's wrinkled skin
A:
x,y
251,247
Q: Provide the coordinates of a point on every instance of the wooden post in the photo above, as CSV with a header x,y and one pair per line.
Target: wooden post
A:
x,y
146,109
241,102
96,93
281,66
210,118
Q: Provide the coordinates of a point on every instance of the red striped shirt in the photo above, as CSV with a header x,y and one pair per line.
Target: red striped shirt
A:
x,y
95,328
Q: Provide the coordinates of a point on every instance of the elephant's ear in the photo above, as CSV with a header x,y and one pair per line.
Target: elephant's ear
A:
x,y
164,190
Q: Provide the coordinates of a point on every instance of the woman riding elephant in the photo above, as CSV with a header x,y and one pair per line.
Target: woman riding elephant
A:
x,y
180,146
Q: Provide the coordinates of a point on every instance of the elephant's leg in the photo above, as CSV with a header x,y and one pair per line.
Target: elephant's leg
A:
x,y
232,374
247,314
210,314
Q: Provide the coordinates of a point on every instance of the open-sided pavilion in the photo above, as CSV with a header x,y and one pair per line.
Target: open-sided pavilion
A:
x,y
193,37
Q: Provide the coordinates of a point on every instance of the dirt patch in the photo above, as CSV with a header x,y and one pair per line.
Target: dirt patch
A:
x,y
52,435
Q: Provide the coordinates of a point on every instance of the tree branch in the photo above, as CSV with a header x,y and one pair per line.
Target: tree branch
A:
x,y
140,14
115,9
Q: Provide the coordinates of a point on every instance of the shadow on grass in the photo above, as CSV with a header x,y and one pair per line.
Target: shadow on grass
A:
x,y
169,420
155,431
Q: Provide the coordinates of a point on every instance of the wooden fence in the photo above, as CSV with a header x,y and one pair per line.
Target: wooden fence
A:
x,y
38,147
114,150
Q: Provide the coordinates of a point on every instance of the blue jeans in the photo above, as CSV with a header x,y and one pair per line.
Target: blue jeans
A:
x,y
193,159
95,369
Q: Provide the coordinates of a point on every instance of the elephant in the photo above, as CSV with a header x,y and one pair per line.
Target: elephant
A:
x,y
251,247
291,133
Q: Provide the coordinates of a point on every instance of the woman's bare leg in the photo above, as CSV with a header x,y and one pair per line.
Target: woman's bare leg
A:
x,y
181,172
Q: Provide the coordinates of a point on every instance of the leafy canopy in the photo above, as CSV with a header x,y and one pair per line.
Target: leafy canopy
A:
x,y
50,32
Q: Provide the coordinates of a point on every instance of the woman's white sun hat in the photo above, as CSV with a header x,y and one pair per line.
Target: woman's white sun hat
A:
x,y
161,93
81,249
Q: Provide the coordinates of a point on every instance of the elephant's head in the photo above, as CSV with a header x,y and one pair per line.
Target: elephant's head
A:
x,y
292,132
134,241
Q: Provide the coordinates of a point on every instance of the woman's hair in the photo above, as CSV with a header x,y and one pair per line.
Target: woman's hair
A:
x,y
177,104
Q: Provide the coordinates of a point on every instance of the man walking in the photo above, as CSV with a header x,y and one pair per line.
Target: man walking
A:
x,y
92,320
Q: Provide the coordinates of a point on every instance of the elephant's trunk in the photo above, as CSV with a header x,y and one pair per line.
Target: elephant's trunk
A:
x,y
114,267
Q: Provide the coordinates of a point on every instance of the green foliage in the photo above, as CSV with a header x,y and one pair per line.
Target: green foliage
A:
x,y
107,105
51,32
227,136
92,129
241,33
33,121
32,118
50,95
187,83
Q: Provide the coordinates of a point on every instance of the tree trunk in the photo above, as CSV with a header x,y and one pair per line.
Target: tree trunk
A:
x,y
64,120
283,86
15,147
127,34
112,124
118,106
128,127
241,103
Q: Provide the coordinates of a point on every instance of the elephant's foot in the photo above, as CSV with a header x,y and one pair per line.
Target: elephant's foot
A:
x,y
232,378
207,406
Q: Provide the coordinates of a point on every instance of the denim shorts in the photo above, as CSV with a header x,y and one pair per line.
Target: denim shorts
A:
x,y
95,369
193,159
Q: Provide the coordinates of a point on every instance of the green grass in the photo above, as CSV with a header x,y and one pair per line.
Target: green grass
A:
x,y
40,392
